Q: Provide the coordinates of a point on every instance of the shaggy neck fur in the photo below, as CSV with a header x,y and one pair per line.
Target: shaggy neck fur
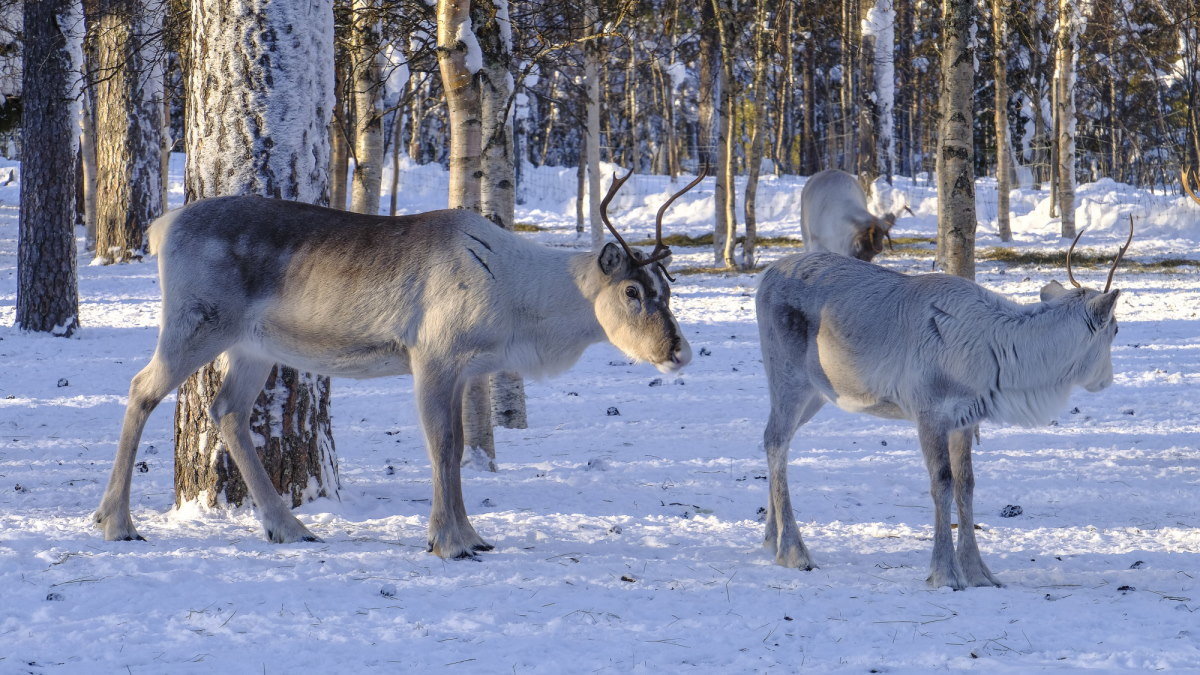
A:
x,y
1039,353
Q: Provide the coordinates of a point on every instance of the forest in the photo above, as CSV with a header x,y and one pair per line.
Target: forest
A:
x,y
518,210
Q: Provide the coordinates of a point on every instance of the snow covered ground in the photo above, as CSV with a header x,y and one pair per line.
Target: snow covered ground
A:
x,y
630,542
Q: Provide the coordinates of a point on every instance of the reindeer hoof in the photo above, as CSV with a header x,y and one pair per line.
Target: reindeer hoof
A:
x,y
483,547
116,528
290,532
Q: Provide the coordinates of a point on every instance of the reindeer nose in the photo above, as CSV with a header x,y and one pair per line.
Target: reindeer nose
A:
x,y
682,355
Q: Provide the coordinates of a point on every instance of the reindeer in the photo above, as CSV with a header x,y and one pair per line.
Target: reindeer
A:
x,y
834,217
938,350
445,296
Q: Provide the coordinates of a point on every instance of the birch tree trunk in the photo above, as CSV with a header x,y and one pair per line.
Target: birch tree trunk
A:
x,y
867,162
47,290
591,75
955,158
129,93
339,129
367,81
253,70
1065,111
709,61
459,60
757,122
881,21
1000,73
498,185
725,232
87,151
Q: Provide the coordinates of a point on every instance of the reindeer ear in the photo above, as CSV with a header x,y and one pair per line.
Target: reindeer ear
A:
x,y
611,258
1052,290
1102,306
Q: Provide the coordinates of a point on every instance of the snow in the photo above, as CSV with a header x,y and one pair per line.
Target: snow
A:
x,y
627,542
466,35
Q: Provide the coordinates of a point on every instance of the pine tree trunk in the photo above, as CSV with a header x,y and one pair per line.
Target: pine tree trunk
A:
x,y
1067,33
243,82
129,180
1000,72
955,171
367,82
47,291
725,233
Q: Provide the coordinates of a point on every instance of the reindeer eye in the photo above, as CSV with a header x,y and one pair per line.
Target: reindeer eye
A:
x,y
631,292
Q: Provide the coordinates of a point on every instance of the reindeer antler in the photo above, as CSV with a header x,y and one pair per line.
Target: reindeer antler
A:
x,y
660,249
1070,276
1121,254
612,191
1184,176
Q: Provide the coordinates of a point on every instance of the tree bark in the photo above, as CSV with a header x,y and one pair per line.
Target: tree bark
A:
x,y
129,92
252,71
955,171
758,121
47,291
498,183
367,80
1065,109
725,232
591,76
339,129
460,79
1000,73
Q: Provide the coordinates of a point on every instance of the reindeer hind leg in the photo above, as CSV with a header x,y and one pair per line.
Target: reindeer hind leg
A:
x,y
231,410
183,346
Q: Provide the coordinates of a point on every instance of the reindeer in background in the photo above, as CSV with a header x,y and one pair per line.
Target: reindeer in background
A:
x,y
834,217
445,296
935,349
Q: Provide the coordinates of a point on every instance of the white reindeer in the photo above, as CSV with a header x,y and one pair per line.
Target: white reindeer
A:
x,y
834,217
446,296
938,350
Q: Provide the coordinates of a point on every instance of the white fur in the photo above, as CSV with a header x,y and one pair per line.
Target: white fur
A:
x,y
935,349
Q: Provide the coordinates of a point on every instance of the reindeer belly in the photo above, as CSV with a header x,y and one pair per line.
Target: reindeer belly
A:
x,y
843,377
335,355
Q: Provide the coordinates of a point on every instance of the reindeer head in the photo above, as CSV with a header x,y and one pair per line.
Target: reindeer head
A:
x,y
1096,310
868,241
634,306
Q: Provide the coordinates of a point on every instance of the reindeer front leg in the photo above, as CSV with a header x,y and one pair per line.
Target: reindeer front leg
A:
x,y
945,569
976,572
439,392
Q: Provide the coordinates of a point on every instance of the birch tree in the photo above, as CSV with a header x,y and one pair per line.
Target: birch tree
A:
x,y
725,197
1003,157
591,76
1066,36
498,183
128,140
367,83
955,157
878,26
260,93
757,132
47,290
460,60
